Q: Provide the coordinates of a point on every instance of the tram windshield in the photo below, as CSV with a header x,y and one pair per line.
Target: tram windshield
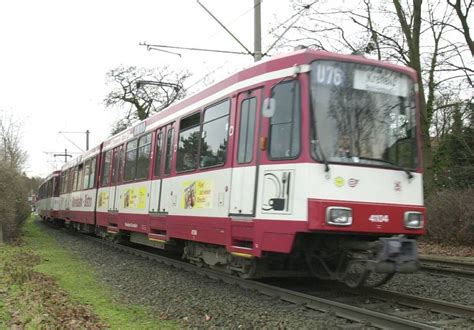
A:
x,y
363,114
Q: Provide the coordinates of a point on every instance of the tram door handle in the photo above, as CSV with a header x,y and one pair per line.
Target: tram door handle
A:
x,y
262,143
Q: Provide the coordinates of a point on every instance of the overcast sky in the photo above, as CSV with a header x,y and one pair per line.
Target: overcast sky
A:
x,y
54,55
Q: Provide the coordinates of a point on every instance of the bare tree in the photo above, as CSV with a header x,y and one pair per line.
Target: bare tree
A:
x,y
11,151
141,100
14,207
419,34
458,6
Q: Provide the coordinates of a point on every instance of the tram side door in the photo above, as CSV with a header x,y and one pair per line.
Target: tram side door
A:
x,y
157,172
245,162
117,156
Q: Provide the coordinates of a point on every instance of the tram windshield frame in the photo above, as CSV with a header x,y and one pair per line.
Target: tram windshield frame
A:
x,y
363,115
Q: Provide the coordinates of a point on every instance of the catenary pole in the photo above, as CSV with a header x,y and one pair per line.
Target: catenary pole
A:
x,y
257,55
87,139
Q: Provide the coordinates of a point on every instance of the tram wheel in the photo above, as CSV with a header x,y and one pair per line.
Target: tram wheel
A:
x,y
356,273
249,271
374,280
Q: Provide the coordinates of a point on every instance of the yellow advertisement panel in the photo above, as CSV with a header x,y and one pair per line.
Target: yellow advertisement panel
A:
x,y
134,198
103,199
197,194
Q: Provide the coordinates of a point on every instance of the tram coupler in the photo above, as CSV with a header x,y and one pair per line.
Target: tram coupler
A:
x,y
396,254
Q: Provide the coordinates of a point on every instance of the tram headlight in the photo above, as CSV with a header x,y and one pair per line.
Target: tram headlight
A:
x,y
413,220
339,216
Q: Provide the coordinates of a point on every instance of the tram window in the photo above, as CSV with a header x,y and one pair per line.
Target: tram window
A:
x,y
68,181
72,173
248,109
115,166
188,143
158,150
169,150
80,172
92,173
285,123
56,186
214,135
143,161
120,165
61,182
50,188
76,178
130,161
104,179
64,178
87,170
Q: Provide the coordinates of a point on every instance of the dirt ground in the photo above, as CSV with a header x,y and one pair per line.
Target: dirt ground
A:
x,y
436,249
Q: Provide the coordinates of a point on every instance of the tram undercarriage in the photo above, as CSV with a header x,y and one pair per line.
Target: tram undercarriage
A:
x,y
362,262
353,261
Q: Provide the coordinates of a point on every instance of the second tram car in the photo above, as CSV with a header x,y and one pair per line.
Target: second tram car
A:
x,y
47,204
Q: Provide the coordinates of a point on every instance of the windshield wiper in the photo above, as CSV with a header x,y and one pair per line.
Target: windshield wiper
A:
x,y
394,166
317,144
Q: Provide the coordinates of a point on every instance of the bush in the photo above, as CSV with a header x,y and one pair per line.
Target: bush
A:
x,y
450,216
14,207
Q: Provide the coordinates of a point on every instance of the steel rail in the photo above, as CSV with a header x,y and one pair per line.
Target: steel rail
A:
x,y
355,314
449,267
439,306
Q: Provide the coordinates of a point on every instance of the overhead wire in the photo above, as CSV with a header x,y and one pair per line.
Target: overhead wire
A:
x,y
235,19
213,35
299,14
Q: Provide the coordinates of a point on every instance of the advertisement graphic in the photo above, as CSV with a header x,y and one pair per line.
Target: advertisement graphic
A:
x,y
134,198
197,194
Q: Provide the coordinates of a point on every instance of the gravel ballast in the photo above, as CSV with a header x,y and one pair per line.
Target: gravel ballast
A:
x,y
196,301
191,299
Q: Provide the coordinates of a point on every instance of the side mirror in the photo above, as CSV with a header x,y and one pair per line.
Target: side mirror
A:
x,y
268,107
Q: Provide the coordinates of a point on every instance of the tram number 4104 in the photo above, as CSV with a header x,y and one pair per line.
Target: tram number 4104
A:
x,y
379,218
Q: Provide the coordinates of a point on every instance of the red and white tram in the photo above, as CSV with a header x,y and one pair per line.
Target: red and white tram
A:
x,y
307,161
47,204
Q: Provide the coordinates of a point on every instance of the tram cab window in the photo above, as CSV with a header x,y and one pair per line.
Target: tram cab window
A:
x,y
285,123
188,143
214,136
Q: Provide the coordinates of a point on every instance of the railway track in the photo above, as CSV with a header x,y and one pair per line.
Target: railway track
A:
x,y
448,267
434,313
358,314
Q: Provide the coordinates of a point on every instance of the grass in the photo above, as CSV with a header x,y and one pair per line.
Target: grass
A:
x,y
73,276
5,253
